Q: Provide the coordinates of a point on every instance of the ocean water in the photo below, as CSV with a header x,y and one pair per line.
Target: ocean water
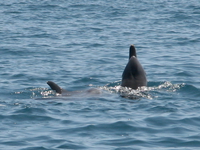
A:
x,y
82,45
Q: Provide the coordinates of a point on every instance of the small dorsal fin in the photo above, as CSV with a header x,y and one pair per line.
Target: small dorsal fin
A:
x,y
132,51
55,87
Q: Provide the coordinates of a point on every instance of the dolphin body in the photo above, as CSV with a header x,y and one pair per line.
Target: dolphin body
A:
x,y
59,90
134,75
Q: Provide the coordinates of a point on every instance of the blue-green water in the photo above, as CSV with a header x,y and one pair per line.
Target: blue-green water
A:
x,y
84,44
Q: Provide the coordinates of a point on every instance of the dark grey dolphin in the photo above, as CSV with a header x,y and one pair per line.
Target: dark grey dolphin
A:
x,y
58,89
134,75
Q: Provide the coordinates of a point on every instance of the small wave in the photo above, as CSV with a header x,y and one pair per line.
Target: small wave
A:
x,y
190,90
33,93
166,86
142,92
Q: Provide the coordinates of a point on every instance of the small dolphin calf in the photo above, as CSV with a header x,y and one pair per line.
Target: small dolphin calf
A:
x,y
59,90
134,75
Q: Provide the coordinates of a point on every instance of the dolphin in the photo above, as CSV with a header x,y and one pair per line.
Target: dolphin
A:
x,y
134,75
59,90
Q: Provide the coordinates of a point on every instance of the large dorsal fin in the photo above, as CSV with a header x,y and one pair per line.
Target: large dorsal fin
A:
x,y
55,87
134,75
132,51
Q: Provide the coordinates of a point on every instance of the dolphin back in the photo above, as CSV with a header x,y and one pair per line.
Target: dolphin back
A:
x,y
134,75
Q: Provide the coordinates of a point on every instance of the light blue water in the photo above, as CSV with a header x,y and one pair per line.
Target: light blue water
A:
x,y
84,44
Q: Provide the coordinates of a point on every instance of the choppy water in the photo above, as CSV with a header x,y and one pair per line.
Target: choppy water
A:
x,y
84,44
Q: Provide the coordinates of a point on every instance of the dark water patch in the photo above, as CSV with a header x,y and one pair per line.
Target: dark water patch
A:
x,y
26,117
31,111
184,73
47,142
194,143
192,121
14,143
116,129
176,130
124,142
175,142
159,121
168,141
163,109
72,145
36,147
66,122
193,137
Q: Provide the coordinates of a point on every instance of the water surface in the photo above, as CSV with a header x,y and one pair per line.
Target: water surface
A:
x,y
84,44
